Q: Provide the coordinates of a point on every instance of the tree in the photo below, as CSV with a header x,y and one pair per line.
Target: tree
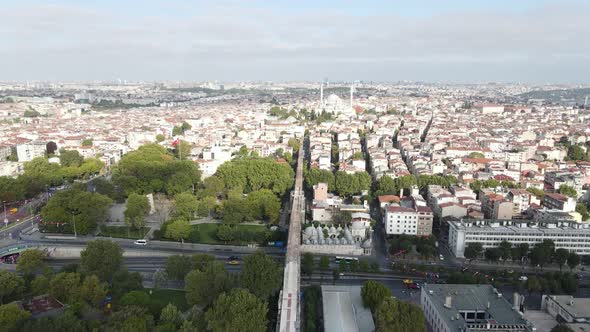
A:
x,y
573,260
203,287
493,254
11,286
575,153
12,317
294,144
70,206
50,147
238,310
102,258
39,285
263,204
307,264
539,193
31,261
213,186
561,255
183,150
342,218
234,211
385,186
225,233
178,230
136,209
569,191
152,169
533,284
160,278
473,250
392,315
160,138
505,250
87,142
130,319
125,281
251,174
583,210
171,314
373,293
316,175
261,275
65,287
185,205
178,266
542,253
206,205
68,158
324,263
476,155
93,290
561,328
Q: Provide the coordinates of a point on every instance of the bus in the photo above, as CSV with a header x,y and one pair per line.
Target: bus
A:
x,y
346,259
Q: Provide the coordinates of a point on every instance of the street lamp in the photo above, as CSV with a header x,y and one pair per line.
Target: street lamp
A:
x,y
5,218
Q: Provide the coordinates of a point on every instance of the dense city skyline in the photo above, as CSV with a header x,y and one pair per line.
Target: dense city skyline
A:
x,y
531,42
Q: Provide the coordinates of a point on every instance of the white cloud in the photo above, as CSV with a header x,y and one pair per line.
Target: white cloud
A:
x,y
232,41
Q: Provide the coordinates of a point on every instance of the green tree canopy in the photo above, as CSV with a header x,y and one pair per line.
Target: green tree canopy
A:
x,y
315,175
136,209
69,158
152,169
373,293
253,173
264,205
473,250
12,317
185,205
31,261
72,205
178,230
178,266
261,275
203,287
569,191
11,286
102,258
238,310
392,315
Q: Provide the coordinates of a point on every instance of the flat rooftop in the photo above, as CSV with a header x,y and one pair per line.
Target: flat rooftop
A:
x,y
344,311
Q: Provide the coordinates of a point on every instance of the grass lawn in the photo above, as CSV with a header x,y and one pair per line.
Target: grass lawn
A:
x,y
206,233
124,232
161,297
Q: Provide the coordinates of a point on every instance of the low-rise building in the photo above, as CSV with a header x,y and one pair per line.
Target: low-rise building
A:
x,y
573,236
469,308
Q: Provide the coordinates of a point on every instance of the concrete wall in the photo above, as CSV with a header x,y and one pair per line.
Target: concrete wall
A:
x,y
342,249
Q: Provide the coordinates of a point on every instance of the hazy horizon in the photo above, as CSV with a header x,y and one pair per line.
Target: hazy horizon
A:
x,y
464,41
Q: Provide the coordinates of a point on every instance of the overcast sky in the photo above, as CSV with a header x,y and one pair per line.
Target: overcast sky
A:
x,y
429,40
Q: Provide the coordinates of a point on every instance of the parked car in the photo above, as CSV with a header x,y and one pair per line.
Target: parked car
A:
x,y
523,278
140,242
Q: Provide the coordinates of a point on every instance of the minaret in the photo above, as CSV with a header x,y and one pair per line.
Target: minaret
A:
x,y
351,93
322,95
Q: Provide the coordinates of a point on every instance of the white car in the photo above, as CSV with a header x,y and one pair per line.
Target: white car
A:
x,y
140,242
441,257
523,278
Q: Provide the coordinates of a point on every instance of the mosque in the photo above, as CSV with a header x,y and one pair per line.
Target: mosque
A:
x,y
336,105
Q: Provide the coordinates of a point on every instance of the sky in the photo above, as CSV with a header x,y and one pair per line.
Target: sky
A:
x,y
471,41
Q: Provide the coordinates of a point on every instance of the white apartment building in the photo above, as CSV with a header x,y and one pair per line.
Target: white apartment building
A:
x,y
401,220
30,151
569,235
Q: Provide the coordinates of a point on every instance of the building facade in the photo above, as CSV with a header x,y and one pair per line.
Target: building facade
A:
x,y
572,236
